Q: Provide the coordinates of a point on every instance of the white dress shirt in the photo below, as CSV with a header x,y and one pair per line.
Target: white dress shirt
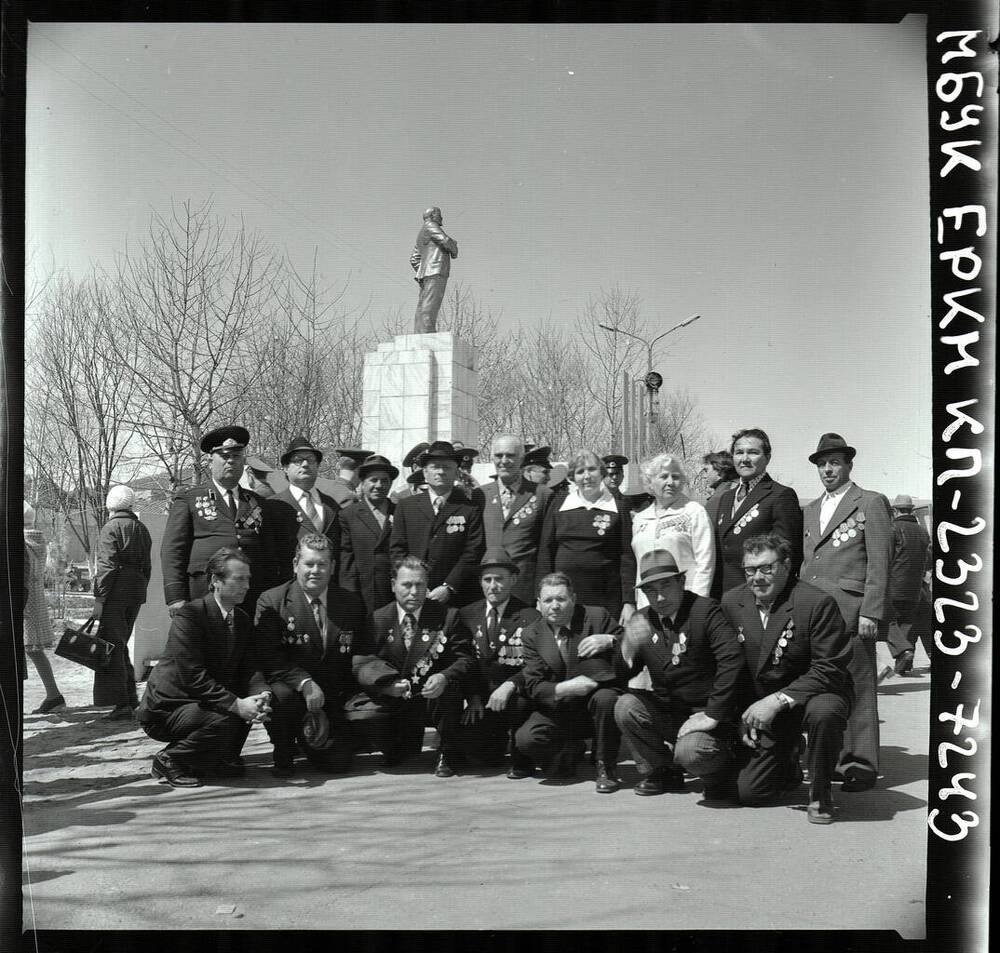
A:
x,y
299,495
830,503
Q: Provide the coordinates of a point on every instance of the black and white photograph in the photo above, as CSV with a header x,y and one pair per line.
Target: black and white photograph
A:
x,y
489,476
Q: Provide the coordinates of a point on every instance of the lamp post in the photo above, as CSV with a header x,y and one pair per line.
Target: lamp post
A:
x,y
652,380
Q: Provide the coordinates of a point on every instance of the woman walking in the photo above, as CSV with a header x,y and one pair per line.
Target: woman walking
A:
x,y
37,624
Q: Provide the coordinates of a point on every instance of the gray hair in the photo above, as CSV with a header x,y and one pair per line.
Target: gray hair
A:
x,y
119,498
508,436
653,465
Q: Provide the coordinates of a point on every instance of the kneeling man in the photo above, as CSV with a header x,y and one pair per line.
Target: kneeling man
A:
x,y
797,652
570,677
422,654
696,666
309,637
204,693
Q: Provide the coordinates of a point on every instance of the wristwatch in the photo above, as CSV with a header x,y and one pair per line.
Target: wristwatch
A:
x,y
784,700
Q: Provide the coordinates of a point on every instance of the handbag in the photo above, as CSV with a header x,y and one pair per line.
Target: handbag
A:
x,y
84,648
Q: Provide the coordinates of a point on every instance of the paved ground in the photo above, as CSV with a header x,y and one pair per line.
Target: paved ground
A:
x,y
106,847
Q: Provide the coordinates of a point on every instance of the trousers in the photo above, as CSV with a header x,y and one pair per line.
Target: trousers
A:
x,y
197,736
116,685
544,733
429,303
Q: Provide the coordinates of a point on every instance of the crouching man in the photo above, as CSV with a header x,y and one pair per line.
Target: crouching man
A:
x,y
696,666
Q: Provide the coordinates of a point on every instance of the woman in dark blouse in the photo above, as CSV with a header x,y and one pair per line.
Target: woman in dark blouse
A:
x,y
587,534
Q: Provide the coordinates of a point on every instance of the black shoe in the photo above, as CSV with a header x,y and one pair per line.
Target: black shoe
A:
x,y
119,713
904,664
606,782
166,769
673,779
795,776
520,767
650,785
50,704
283,770
443,769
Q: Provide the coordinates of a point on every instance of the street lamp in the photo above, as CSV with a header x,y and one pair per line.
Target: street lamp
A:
x,y
652,380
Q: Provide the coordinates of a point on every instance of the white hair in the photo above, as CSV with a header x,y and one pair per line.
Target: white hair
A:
x,y
29,515
119,498
661,461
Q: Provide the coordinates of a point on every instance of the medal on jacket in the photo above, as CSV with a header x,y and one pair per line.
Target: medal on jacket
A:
x,y
205,506
345,640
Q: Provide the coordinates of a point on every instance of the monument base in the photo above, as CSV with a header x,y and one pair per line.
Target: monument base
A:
x,y
419,387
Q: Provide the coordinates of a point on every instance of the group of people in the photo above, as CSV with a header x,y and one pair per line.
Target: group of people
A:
x,y
521,619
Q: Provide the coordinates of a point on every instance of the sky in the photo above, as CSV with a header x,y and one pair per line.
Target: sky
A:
x,y
771,178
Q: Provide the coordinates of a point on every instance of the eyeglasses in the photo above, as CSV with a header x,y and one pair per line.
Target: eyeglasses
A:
x,y
767,570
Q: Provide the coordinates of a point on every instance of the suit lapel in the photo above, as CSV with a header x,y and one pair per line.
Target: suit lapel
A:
x,y
548,649
521,497
365,515
750,627
220,632
725,518
757,494
305,621
847,505
776,622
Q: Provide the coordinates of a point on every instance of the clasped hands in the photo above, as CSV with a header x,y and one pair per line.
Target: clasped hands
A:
x,y
254,708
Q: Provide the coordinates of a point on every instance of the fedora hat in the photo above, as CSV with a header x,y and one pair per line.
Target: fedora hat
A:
x,y
831,442
440,450
225,438
377,462
410,460
497,556
903,501
258,465
316,730
658,564
597,667
300,443
416,478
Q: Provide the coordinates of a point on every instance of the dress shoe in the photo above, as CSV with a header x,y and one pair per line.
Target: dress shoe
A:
x,y
853,783
605,781
50,704
720,791
443,769
119,713
166,769
283,770
795,776
518,772
820,810
650,785
903,664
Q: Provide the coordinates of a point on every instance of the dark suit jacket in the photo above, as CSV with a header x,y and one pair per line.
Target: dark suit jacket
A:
x,y
393,661
817,652
520,532
769,507
202,663
490,669
285,524
855,571
365,564
911,556
198,525
451,542
543,664
709,673
289,647
123,563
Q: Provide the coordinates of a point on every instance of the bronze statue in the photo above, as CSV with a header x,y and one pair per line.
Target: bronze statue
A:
x,y
431,260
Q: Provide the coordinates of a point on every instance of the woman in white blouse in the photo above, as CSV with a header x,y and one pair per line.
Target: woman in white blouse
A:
x,y
676,523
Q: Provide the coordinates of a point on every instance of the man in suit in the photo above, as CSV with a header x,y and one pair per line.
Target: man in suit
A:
x,y
569,675
431,260
911,609
756,505
422,654
513,512
365,531
848,553
298,511
440,526
123,570
797,655
204,693
207,517
496,703
344,486
696,665
309,639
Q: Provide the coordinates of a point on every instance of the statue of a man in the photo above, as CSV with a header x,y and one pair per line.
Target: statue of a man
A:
x,y
431,260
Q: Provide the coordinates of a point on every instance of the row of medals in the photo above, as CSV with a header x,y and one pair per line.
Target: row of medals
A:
x,y
677,649
510,652
849,529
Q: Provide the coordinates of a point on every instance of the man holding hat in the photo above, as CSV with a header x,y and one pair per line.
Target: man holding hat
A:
x,y
513,512
298,511
496,703
207,517
696,665
344,485
255,477
440,526
847,552
365,532
415,480
537,466
910,607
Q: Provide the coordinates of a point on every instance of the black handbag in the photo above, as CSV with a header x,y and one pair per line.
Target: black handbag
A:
x,y
80,646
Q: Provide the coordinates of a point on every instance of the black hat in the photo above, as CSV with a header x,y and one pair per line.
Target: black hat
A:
x,y
316,729
466,455
657,564
416,478
358,456
614,461
225,438
300,443
538,457
410,459
439,449
830,442
377,462
497,556
597,667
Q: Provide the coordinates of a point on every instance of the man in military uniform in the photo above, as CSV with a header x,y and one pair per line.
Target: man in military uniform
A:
x,y
207,517
464,480
614,464
847,552
695,664
910,607
255,477
415,480
513,511
537,467
422,655
497,705
309,638
298,511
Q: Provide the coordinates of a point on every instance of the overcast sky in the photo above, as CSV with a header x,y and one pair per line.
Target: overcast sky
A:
x,y
772,178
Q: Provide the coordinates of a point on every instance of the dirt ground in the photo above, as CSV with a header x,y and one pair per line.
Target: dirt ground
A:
x,y
107,847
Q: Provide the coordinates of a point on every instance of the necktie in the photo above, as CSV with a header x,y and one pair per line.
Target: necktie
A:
x,y
492,625
506,498
562,640
317,607
231,503
310,509
741,495
409,628
231,623
436,503
379,515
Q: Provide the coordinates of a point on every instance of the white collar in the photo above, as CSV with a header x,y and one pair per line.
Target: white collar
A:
x,y
222,608
839,492
431,493
400,612
309,598
575,501
500,609
301,494
222,491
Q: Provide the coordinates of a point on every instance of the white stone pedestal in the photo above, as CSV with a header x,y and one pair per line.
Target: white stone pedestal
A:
x,y
419,387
